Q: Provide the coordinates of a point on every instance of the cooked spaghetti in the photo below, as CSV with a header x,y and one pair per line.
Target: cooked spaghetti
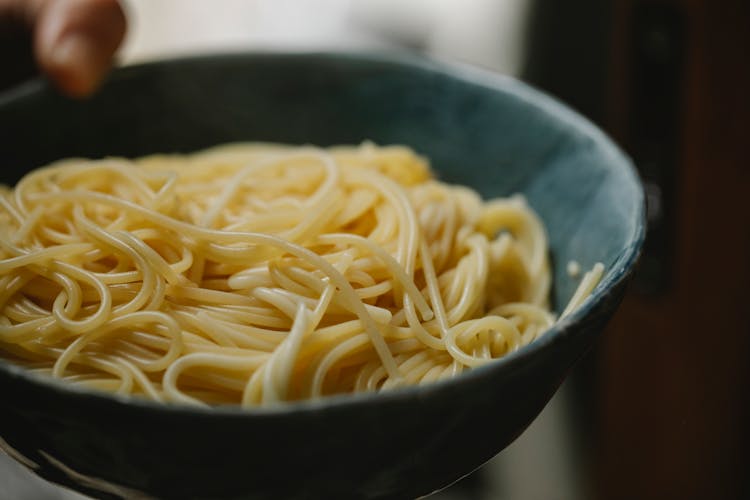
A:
x,y
253,274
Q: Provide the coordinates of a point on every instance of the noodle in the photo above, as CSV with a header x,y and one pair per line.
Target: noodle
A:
x,y
254,274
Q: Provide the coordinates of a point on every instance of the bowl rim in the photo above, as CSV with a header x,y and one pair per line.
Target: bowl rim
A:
x,y
614,278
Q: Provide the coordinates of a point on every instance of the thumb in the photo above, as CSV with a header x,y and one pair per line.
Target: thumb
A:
x,y
75,41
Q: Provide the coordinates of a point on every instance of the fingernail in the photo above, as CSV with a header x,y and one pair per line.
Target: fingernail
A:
x,y
70,51
73,59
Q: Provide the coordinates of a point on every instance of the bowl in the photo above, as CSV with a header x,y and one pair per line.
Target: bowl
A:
x,y
492,133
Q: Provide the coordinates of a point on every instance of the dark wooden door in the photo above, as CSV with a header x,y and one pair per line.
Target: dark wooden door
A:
x,y
674,368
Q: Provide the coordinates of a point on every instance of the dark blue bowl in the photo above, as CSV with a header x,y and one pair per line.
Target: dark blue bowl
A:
x,y
489,132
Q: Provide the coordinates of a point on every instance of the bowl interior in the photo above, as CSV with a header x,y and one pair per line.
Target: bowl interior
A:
x,y
491,133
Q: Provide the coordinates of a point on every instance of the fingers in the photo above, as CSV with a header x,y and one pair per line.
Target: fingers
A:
x,y
75,40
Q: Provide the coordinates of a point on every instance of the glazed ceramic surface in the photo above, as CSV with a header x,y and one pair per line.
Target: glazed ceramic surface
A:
x,y
491,133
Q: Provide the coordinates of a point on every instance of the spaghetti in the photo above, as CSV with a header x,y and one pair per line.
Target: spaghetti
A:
x,y
253,274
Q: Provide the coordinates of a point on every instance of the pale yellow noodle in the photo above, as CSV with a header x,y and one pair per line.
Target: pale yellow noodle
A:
x,y
256,274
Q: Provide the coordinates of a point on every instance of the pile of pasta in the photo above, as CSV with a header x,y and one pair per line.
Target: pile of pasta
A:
x,y
254,274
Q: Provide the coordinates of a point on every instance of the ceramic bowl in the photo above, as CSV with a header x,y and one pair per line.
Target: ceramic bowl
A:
x,y
489,132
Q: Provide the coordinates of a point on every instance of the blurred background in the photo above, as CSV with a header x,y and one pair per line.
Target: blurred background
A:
x,y
660,408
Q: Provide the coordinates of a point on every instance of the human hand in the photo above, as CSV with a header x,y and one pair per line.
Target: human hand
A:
x,y
72,42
